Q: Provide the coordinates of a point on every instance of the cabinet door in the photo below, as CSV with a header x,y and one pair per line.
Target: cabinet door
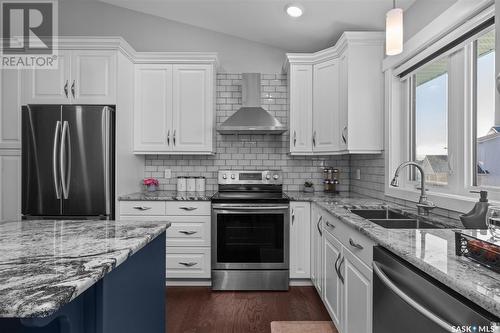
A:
x,y
314,238
326,107
318,249
343,128
10,109
193,107
357,302
300,226
93,77
301,108
44,86
333,285
153,109
10,184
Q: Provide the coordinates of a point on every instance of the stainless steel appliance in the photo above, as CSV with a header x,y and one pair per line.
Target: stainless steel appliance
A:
x,y
407,300
68,161
250,232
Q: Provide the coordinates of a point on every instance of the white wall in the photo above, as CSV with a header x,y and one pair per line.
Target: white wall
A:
x,y
421,13
151,33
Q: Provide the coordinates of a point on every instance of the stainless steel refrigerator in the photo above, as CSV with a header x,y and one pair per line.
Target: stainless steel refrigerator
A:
x,y
68,161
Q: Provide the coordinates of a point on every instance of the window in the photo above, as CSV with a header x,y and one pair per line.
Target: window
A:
x,y
429,144
486,161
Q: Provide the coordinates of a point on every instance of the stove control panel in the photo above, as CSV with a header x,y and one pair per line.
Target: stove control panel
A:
x,y
273,177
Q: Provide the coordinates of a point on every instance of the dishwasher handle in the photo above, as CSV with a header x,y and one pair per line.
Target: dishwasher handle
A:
x,y
410,301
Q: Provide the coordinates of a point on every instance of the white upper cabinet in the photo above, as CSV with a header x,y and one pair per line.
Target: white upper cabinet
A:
x,y
93,78
300,252
346,97
301,108
174,109
82,77
193,111
153,108
326,107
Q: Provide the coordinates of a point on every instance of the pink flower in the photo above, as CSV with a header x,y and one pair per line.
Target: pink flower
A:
x,y
151,181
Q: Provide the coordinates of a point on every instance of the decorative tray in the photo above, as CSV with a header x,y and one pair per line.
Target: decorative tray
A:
x,y
479,246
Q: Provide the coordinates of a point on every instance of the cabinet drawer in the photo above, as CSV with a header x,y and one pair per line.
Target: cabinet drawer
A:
x,y
189,231
142,208
359,244
188,262
188,207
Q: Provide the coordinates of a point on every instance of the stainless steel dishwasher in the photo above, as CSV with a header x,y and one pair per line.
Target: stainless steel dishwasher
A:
x,y
407,300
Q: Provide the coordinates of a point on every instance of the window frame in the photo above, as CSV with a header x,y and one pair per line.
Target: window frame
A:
x,y
456,197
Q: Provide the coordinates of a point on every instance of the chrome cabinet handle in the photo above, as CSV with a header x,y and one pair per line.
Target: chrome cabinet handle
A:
x,y
142,208
319,228
338,270
344,135
356,245
293,216
314,139
188,208
410,301
294,138
57,181
328,224
173,137
188,264
66,88
336,262
73,89
189,233
168,138
65,160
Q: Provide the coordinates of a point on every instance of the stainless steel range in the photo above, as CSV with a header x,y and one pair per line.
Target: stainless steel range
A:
x,y
250,232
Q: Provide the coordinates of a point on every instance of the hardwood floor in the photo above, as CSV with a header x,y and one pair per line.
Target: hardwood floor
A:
x,y
199,310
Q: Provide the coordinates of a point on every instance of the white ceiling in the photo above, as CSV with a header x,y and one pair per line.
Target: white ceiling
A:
x,y
265,21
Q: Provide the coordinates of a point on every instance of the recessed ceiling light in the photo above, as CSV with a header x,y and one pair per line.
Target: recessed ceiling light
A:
x,y
294,10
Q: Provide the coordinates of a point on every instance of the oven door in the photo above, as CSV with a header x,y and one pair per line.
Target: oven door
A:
x,y
250,236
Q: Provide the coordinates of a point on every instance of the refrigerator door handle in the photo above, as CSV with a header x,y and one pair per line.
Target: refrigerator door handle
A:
x,y
410,301
57,182
65,160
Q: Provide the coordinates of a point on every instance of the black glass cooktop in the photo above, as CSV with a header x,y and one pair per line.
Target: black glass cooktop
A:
x,y
250,197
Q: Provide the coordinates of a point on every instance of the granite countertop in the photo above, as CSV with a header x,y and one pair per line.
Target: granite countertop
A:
x,y
431,250
46,264
167,196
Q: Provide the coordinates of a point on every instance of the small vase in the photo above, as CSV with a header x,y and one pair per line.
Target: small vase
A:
x,y
308,189
152,188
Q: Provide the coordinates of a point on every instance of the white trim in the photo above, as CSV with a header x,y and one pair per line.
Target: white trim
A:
x,y
300,282
453,22
188,283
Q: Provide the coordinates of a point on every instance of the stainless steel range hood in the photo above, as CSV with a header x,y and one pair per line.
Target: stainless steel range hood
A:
x,y
251,118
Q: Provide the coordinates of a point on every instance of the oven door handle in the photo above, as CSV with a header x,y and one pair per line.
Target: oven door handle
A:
x,y
250,208
410,301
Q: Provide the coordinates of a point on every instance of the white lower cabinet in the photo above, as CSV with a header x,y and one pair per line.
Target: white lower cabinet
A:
x,y
188,238
300,252
342,271
333,285
357,300
10,184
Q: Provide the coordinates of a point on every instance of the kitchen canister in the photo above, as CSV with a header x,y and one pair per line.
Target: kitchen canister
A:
x,y
191,184
181,184
200,184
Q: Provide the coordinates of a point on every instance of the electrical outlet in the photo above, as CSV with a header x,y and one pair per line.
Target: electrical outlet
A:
x,y
168,173
357,174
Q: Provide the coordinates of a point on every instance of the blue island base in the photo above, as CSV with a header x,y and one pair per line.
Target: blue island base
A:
x,y
130,299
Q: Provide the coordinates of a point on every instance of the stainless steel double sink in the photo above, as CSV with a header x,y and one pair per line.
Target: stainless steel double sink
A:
x,y
391,219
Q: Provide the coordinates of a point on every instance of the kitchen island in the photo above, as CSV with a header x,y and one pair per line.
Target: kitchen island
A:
x,y
82,276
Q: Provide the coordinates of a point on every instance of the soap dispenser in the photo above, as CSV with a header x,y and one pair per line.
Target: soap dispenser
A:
x,y
476,218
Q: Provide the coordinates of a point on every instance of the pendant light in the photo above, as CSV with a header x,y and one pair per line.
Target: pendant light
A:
x,y
394,30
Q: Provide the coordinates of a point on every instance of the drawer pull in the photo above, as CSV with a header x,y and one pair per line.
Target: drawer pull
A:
x,y
356,245
185,232
142,208
188,208
188,264
328,224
